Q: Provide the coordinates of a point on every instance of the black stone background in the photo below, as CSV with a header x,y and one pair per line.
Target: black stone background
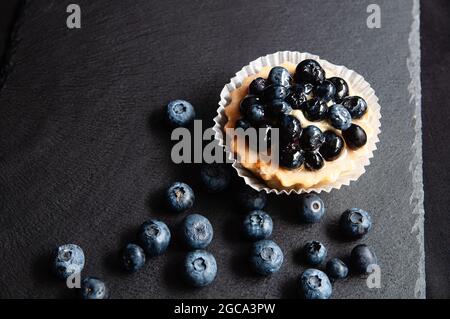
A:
x,y
435,33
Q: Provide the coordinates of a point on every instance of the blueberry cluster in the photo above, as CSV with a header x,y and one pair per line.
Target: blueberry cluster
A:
x,y
270,101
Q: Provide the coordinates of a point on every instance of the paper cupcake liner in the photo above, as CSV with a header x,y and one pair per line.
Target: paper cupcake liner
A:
x,y
356,83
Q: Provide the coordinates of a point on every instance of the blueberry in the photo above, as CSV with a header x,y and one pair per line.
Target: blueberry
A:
x,y
200,268
297,95
243,124
197,231
277,107
68,260
275,92
315,252
361,258
310,208
250,199
266,257
309,71
180,113
215,177
325,91
258,225
154,236
256,114
290,127
314,284
341,89
133,258
312,138
337,269
280,76
356,105
247,102
93,288
314,161
315,110
355,222
257,86
340,118
332,147
291,156
180,197
355,136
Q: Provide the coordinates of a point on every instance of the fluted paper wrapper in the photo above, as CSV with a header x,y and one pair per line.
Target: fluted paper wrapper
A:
x,y
356,83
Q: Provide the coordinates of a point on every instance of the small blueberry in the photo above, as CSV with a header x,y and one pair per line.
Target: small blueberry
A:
x,y
133,258
337,269
361,258
197,231
266,257
315,252
180,113
200,268
356,105
310,208
315,284
258,225
68,260
93,288
355,222
340,118
180,197
154,236
280,76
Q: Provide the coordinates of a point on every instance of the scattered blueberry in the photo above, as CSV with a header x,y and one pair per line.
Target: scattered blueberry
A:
x,y
361,258
355,136
309,71
340,118
68,260
332,147
250,199
280,76
341,89
215,177
315,252
180,113
266,257
247,102
180,197
243,124
291,156
290,127
133,258
275,92
200,268
356,105
312,138
355,222
197,231
314,161
314,284
337,269
257,86
315,110
93,288
278,107
154,236
258,225
256,114
325,91
310,208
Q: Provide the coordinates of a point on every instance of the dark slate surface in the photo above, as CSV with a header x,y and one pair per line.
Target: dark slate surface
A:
x,y
84,156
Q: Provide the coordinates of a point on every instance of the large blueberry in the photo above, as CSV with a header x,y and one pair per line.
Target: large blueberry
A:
x,y
133,258
314,252
355,222
215,177
309,71
180,197
68,260
154,236
280,76
93,288
257,86
290,127
275,92
291,156
361,258
356,105
315,284
355,136
258,225
341,88
197,231
200,268
180,113
337,269
340,118
266,257
315,110
314,161
332,147
325,91
312,138
250,199
310,208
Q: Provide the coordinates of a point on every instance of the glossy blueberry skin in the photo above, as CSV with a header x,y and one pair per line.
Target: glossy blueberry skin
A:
x,y
197,231
314,161
315,284
290,127
356,105
93,288
180,197
265,135
298,94
341,87
266,257
291,156
243,124
280,76
315,110
278,107
309,71
332,147
250,199
154,236
355,223
258,225
361,258
247,102
200,268
355,136
256,114
314,252
133,258
336,269
215,177
312,138
275,92
180,113
258,86
311,208
68,260
340,118
325,91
